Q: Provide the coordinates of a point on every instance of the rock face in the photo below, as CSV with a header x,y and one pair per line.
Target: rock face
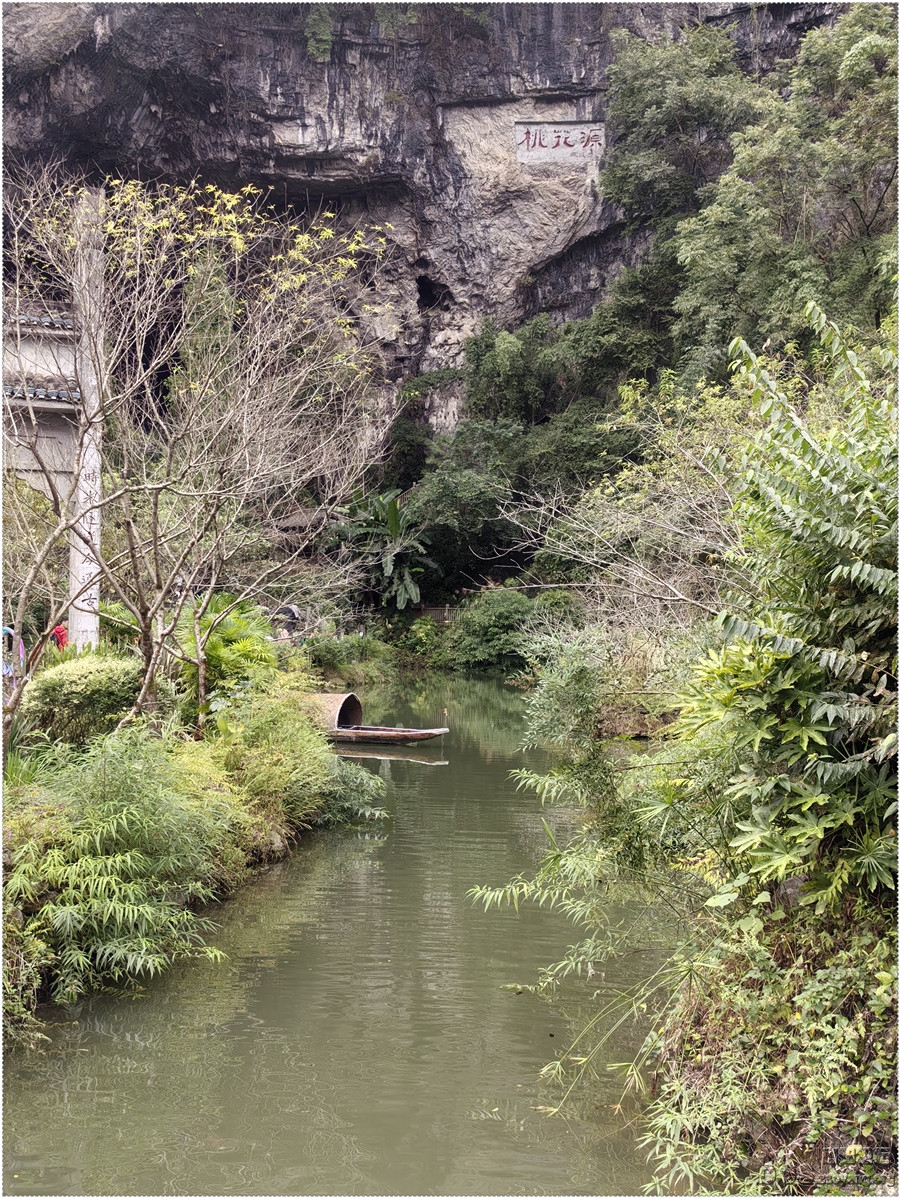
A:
x,y
475,132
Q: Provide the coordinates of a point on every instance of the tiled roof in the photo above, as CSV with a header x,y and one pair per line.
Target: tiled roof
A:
x,y
302,518
40,321
44,389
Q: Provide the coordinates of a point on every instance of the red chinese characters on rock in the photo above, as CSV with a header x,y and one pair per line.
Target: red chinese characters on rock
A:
x,y
545,142
533,138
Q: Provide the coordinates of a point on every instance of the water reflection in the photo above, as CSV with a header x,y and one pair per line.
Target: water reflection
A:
x,y
358,1040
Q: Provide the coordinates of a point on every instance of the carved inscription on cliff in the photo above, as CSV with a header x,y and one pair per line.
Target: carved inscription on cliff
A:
x,y
559,141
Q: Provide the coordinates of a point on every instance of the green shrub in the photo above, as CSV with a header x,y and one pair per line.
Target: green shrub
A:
x,y
109,848
334,654
110,894
319,30
25,957
422,638
204,781
560,607
280,759
487,636
805,687
87,696
327,653
284,764
776,1073
389,543
769,815
507,374
575,448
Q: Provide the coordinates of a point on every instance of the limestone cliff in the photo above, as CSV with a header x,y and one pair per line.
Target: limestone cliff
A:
x,y
475,131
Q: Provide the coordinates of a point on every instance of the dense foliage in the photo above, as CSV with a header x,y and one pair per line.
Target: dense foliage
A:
x,y
807,209
674,107
458,500
805,688
747,197
768,815
486,638
273,749
390,547
110,893
777,1069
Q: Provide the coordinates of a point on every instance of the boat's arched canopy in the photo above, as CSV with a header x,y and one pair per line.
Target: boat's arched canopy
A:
x,y
339,711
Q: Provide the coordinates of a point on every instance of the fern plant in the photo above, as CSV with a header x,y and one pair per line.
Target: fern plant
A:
x,y
229,640
806,686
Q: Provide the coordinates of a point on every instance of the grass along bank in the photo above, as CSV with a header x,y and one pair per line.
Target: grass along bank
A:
x,y
113,851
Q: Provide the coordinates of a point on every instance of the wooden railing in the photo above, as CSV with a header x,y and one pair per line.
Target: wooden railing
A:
x,y
440,615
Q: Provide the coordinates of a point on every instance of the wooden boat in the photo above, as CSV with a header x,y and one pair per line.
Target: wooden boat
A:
x,y
341,720
374,734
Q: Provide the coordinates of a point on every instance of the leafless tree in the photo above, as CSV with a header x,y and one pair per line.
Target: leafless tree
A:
x,y
655,548
235,389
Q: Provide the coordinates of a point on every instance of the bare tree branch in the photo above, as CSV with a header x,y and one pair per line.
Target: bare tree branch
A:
x,y
238,396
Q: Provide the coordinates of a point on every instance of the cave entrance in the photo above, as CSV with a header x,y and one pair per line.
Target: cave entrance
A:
x,y
433,296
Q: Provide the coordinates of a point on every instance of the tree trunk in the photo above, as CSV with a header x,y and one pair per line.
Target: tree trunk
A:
x,y
147,699
201,674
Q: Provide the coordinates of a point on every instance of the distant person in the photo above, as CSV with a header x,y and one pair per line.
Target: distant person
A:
x,y
290,613
8,641
9,646
60,634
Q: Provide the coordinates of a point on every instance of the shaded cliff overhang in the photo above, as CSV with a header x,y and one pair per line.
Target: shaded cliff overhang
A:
x,y
407,122
242,93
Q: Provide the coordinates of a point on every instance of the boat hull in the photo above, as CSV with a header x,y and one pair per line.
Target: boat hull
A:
x,y
371,734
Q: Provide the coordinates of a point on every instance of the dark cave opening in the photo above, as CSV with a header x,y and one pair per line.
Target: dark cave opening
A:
x,y
433,296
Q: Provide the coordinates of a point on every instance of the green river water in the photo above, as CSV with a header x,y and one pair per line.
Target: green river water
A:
x,y
359,1039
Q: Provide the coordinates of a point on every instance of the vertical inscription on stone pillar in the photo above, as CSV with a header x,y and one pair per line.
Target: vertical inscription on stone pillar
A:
x,y
84,539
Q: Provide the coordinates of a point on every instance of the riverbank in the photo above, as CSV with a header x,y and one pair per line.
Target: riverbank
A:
x,y
489,634
361,1037
111,852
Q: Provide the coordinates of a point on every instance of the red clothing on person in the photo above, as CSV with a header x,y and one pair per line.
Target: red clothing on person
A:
x,y
60,635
